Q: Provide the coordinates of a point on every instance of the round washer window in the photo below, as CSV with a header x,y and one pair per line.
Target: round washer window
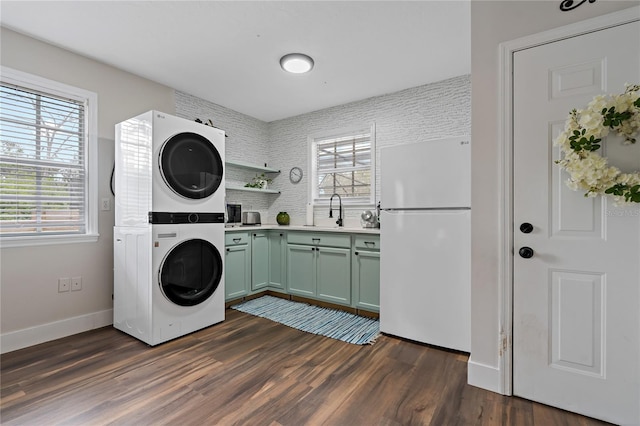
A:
x,y
191,165
190,273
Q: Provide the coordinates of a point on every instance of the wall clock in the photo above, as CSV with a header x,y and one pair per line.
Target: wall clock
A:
x,y
295,174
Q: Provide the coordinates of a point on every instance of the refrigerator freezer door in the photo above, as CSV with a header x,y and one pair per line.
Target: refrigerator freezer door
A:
x,y
429,174
425,276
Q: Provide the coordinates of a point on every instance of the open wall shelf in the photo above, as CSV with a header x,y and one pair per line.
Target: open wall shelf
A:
x,y
248,189
249,166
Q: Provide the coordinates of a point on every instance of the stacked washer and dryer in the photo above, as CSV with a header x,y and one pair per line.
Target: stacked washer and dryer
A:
x,y
169,230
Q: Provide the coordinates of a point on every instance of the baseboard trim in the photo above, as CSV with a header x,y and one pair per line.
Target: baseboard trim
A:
x,y
31,336
484,376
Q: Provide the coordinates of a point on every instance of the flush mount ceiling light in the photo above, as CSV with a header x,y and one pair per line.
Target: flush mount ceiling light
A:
x,y
296,63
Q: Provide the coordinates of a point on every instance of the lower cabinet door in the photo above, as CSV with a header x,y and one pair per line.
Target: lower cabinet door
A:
x,y
237,275
301,269
334,274
366,280
259,260
277,260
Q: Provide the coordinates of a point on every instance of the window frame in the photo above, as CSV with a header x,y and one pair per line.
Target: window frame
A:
x,y
312,142
90,100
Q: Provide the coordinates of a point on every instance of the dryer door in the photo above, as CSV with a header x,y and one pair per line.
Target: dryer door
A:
x,y
191,272
191,165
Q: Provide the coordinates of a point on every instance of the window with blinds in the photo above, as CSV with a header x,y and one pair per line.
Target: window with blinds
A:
x,y
43,163
344,165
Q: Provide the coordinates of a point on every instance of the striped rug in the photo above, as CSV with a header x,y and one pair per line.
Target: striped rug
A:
x,y
327,322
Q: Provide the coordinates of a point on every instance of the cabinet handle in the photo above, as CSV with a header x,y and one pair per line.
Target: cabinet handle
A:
x,y
370,243
356,253
228,249
255,235
313,249
315,239
282,235
237,240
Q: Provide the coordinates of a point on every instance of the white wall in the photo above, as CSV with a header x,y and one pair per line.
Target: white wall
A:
x,y
412,115
32,310
494,22
424,112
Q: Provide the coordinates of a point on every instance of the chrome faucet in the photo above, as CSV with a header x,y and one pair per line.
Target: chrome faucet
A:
x,y
339,221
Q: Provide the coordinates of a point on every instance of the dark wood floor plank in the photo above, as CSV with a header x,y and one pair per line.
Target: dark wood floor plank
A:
x,y
424,391
251,371
376,379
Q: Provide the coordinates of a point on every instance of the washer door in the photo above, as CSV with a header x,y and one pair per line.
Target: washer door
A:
x,y
190,273
190,165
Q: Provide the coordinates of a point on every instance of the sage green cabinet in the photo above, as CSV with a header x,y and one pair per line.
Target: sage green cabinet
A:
x,y
317,270
259,260
237,265
301,267
333,274
366,272
334,267
366,280
277,260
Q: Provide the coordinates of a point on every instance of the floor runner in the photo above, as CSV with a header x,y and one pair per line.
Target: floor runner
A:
x,y
327,322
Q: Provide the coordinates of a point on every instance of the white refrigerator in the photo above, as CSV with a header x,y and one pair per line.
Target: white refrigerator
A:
x,y
425,248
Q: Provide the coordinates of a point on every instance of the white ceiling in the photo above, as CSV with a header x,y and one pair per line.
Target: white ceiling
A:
x,y
228,52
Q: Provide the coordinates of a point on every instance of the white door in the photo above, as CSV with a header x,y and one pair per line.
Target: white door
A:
x,y
576,325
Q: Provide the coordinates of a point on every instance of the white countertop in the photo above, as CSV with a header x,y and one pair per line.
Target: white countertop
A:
x,y
314,228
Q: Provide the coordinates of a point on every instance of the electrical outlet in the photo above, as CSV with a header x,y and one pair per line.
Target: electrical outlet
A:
x,y
76,283
64,284
105,205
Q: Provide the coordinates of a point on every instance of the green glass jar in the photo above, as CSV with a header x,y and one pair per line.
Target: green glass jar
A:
x,y
283,218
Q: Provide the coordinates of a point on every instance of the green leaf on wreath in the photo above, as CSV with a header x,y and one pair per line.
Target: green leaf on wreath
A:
x,y
617,189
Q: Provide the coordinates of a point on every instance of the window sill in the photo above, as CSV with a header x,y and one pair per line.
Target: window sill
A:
x,y
7,242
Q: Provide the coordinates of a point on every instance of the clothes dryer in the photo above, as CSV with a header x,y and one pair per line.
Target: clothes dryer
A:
x,y
167,164
168,276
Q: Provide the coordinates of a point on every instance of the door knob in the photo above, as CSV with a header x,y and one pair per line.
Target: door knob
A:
x,y
526,252
526,228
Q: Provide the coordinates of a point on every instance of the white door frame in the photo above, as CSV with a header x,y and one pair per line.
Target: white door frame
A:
x,y
505,141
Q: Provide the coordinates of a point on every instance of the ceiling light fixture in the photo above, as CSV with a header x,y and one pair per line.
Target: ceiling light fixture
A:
x,y
296,63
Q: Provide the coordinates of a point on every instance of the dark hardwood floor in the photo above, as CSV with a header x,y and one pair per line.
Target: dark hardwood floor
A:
x,y
252,371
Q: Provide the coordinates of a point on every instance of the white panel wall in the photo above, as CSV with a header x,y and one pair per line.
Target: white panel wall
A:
x,y
425,112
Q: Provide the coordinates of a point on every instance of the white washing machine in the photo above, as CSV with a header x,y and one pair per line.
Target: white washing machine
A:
x,y
167,164
168,276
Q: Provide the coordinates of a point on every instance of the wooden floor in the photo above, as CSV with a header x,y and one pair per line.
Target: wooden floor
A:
x,y
252,371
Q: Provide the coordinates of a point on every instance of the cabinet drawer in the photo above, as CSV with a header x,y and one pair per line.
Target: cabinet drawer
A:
x,y
367,242
236,238
319,239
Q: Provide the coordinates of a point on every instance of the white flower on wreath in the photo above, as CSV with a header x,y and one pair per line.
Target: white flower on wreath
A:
x,y
582,137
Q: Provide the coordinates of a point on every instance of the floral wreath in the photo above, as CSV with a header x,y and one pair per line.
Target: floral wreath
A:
x,y
581,138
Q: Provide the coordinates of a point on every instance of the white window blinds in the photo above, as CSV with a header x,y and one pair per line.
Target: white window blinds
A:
x,y
42,163
344,166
